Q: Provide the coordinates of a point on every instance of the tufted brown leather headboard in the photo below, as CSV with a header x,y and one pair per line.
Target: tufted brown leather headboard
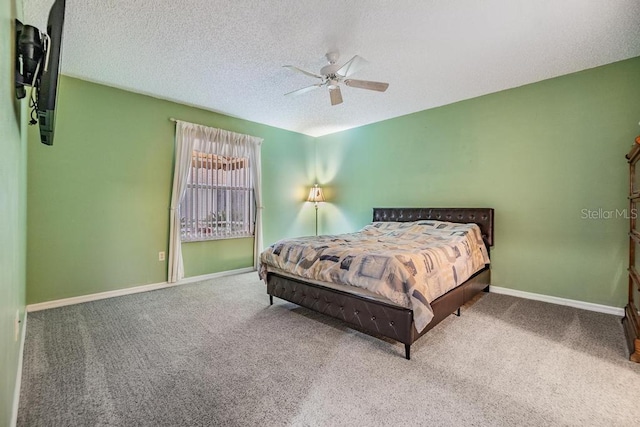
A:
x,y
481,216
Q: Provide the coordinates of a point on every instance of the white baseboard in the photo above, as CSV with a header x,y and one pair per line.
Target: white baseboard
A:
x,y
133,290
97,296
216,275
617,311
18,384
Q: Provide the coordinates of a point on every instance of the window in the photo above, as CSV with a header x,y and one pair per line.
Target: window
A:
x,y
216,190
219,201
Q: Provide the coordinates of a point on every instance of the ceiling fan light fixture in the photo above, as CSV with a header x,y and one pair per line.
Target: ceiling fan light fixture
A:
x,y
333,74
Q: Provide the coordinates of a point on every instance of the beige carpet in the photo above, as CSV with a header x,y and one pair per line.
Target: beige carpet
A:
x,y
216,353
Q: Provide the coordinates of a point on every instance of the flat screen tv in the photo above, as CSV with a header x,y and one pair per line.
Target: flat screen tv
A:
x,y
48,87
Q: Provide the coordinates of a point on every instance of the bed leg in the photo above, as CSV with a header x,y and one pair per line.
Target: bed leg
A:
x,y
407,351
270,299
486,289
458,312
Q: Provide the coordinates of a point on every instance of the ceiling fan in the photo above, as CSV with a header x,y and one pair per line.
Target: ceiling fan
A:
x,y
332,75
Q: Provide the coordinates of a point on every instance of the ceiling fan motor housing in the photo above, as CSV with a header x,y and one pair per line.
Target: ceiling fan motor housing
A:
x,y
330,70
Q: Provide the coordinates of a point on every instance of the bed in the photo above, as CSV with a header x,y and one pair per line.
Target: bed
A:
x,y
384,315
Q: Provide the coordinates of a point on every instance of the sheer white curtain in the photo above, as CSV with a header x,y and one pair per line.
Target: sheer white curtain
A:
x,y
186,135
256,169
189,137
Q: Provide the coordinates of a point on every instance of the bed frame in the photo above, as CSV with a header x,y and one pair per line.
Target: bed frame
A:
x,y
379,318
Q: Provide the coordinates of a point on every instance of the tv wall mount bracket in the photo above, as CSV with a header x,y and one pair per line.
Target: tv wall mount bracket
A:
x,y
32,57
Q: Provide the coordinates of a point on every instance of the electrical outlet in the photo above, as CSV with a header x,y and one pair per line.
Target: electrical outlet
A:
x,y
16,326
161,256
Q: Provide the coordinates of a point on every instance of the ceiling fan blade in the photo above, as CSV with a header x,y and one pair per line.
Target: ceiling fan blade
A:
x,y
352,66
292,68
336,96
304,90
365,84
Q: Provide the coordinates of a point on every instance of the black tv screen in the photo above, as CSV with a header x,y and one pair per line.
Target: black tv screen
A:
x,y
48,88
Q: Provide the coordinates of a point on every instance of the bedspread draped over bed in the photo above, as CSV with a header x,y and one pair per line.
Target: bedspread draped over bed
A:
x,y
409,263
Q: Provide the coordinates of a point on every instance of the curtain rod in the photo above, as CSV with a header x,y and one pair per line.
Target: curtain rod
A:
x,y
176,120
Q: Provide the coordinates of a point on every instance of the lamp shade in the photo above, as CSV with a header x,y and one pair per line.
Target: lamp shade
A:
x,y
315,194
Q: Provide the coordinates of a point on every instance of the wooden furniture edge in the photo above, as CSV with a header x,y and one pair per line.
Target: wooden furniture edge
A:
x,y
629,321
635,150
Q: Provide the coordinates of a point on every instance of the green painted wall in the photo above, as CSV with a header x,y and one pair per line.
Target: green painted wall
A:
x,y
98,199
538,154
229,255
13,167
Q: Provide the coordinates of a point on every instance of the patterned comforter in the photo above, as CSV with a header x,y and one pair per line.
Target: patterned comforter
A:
x,y
409,263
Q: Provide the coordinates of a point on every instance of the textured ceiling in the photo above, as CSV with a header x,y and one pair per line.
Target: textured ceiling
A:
x,y
227,56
